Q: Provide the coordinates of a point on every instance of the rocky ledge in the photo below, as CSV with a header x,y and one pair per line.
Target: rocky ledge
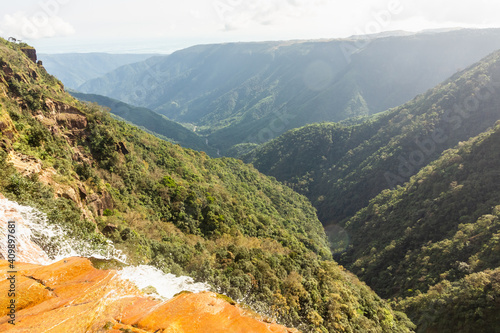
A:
x,y
73,296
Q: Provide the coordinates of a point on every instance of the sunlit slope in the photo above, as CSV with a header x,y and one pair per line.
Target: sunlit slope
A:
x,y
217,220
252,92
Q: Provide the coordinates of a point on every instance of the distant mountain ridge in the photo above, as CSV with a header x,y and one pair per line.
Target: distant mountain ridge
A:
x,y
73,69
340,168
253,92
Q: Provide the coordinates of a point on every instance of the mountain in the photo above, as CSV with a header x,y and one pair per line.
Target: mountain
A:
x,y
253,92
217,220
159,125
438,235
340,168
73,69
430,244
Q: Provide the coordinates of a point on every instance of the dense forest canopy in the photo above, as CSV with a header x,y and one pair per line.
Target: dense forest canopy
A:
x,y
217,220
340,167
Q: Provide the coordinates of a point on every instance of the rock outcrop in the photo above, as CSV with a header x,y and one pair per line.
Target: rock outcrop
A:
x,y
66,115
30,53
8,131
72,296
91,205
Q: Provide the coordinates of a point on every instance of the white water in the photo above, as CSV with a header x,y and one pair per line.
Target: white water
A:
x,y
166,285
39,242
34,233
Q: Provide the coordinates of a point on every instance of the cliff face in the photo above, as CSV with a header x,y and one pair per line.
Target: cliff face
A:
x,y
73,296
30,53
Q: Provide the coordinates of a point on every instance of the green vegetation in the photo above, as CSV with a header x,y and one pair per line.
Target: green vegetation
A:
x,y
423,241
217,220
442,224
253,92
159,125
468,305
340,168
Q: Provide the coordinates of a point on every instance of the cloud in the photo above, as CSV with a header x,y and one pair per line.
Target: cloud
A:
x,y
462,13
238,14
212,21
36,26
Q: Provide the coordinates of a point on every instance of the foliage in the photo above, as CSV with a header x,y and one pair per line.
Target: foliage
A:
x,y
440,225
252,92
217,220
159,125
467,305
61,211
340,168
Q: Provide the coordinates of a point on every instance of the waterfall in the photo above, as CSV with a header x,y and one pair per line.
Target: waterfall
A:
x,y
42,243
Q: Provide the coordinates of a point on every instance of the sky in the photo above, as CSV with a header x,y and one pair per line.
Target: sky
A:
x,y
163,26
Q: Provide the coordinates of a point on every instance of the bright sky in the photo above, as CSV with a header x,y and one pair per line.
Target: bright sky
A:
x,y
57,26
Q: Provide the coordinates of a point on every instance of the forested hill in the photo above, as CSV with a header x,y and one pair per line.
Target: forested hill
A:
x,y
340,168
151,121
252,92
439,231
217,220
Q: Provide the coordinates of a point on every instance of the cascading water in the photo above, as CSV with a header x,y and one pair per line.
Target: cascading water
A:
x,y
39,242
166,285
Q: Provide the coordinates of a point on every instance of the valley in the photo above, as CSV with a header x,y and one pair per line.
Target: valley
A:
x,y
250,93
217,220
320,190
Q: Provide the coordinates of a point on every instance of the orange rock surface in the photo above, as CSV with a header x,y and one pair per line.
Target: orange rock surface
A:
x,y
72,296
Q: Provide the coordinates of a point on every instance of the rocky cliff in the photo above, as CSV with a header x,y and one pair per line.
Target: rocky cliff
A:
x,y
30,53
72,296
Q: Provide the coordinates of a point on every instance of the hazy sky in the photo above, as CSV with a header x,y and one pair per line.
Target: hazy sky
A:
x,y
55,26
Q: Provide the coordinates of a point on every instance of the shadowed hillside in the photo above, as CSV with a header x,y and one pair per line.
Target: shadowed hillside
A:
x,y
159,125
340,168
253,92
